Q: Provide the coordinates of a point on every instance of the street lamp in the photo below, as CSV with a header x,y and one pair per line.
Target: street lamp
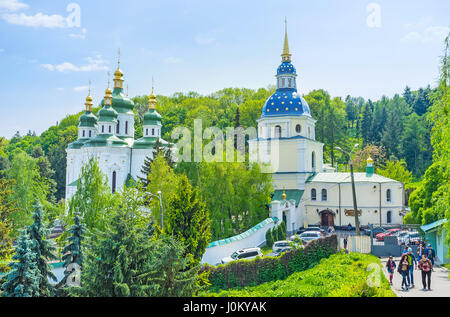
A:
x,y
160,206
355,207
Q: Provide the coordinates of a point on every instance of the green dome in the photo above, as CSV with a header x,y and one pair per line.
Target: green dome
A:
x,y
107,114
152,117
120,102
88,119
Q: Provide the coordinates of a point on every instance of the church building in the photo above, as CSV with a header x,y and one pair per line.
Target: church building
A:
x,y
307,191
110,139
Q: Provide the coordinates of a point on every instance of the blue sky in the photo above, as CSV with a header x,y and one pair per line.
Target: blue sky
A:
x,y
345,47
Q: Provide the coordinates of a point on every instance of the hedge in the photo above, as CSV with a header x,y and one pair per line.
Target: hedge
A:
x,y
262,270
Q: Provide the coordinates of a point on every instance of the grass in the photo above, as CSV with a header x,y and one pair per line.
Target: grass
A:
x,y
448,267
341,275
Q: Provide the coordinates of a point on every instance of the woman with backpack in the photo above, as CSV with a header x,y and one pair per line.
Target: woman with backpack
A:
x,y
403,269
425,266
390,267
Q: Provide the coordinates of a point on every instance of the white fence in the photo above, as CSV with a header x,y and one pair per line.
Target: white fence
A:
x,y
253,237
359,244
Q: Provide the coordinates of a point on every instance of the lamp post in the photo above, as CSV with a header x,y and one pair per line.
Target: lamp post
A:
x,y
355,207
160,206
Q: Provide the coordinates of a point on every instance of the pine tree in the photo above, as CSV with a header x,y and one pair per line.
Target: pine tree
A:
x,y
73,253
188,219
119,254
408,96
23,279
146,168
170,273
367,123
43,250
6,209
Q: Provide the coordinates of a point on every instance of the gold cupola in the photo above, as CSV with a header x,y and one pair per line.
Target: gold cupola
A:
x,y
152,99
108,95
118,76
89,100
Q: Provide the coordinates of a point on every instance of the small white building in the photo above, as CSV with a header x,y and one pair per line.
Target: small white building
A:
x,y
110,139
307,191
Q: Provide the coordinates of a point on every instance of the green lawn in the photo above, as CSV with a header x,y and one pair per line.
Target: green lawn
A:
x,y
341,275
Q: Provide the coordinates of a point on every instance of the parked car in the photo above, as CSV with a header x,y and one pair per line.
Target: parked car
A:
x,y
244,254
375,230
401,235
281,245
316,229
411,238
309,236
389,232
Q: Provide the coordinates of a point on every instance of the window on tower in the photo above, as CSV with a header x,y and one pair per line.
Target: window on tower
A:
x,y
298,128
118,127
126,127
109,130
313,194
153,131
146,132
84,133
103,128
290,82
277,132
90,133
283,82
324,195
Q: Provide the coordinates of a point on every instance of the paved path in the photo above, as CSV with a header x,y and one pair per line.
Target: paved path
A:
x,y
440,283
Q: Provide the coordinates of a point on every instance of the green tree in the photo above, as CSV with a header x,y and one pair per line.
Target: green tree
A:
x,y
157,150
188,219
93,198
6,209
44,251
23,279
367,131
73,254
413,143
396,170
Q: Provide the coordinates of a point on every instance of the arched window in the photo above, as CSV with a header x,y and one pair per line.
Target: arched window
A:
x,y
277,132
118,127
283,81
126,127
84,133
324,195
389,217
298,128
114,176
309,132
388,195
103,128
290,82
313,161
90,133
313,194
109,129
153,131
146,132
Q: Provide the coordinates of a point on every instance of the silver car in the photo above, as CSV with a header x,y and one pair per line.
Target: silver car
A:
x,y
280,246
244,254
309,236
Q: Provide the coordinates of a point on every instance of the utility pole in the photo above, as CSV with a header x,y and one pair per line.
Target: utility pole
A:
x,y
355,206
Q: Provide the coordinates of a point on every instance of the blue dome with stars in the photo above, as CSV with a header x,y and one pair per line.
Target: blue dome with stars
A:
x,y
286,102
286,68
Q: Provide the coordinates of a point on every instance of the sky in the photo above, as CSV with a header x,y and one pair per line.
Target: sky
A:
x,y
50,50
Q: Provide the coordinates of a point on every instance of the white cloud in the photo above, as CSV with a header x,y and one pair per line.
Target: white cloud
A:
x,y
81,88
81,35
94,64
428,35
204,39
60,89
12,5
172,60
37,20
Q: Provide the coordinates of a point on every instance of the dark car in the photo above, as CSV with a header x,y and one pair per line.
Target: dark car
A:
x,y
375,231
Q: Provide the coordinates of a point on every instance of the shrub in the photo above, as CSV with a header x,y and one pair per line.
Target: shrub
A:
x,y
269,238
261,270
340,275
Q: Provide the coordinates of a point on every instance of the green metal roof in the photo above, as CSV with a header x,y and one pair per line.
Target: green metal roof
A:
x,y
106,140
88,119
78,144
346,178
120,102
245,234
291,194
148,143
433,225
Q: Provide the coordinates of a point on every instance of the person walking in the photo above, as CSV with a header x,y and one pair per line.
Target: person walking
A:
x,y
390,267
345,243
425,266
412,263
430,253
403,269
420,251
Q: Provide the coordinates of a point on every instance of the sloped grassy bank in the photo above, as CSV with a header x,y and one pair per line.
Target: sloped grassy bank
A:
x,y
340,275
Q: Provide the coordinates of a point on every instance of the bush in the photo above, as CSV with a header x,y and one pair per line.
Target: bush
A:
x,y
341,275
261,270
